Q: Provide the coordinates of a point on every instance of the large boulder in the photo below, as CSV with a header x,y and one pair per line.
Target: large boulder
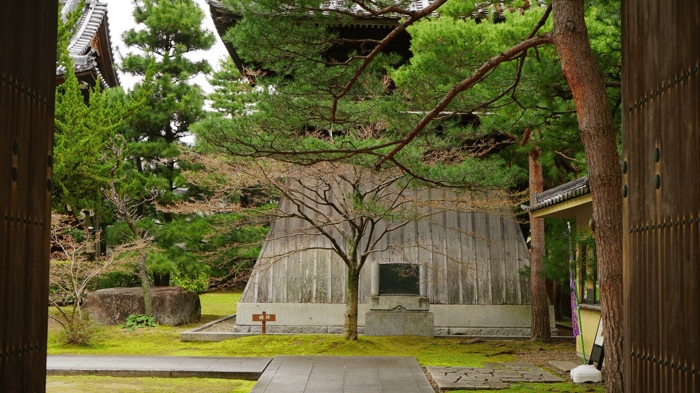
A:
x,y
172,306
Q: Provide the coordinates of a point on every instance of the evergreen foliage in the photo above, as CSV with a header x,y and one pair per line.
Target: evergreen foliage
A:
x,y
85,120
166,32
474,129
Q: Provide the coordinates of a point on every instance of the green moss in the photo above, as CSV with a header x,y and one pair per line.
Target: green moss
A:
x,y
94,384
219,304
164,341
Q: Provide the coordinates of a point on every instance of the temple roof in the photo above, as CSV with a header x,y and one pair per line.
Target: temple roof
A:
x,y
363,25
91,47
559,194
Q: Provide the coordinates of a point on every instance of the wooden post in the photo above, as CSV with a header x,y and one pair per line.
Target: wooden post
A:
x,y
264,318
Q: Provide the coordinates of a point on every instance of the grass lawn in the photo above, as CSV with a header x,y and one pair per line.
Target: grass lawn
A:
x,y
95,384
219,304
165,341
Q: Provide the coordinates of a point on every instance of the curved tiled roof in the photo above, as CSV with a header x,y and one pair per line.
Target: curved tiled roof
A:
x,y
559,194
87,28
414,5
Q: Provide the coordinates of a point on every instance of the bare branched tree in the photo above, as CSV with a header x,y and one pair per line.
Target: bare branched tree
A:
x,y
73,272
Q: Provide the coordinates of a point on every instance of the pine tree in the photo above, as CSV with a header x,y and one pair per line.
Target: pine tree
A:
x,y
167,31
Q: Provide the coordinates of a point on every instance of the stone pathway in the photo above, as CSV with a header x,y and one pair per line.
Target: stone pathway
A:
x,y
564,366
492,376
281,374
343,374
250,368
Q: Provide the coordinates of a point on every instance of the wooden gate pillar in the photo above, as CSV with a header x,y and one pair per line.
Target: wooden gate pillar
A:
x,y
661,194
27,88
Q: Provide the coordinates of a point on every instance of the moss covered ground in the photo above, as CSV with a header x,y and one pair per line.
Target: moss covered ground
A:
x,y
165,341
95,384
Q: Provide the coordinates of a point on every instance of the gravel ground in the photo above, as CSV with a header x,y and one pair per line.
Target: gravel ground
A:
x,y
224,326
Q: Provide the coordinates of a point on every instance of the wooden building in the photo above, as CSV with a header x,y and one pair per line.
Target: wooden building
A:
x,y
367,27
470,261
574,200
90,47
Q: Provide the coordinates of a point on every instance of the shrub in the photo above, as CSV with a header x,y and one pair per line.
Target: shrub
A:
x,y
79,330
139,321
198,282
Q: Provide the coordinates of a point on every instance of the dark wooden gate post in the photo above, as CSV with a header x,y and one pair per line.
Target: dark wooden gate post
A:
x,y
661,191
27,88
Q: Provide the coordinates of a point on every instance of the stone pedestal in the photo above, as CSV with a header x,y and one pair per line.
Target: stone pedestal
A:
x,y
399,315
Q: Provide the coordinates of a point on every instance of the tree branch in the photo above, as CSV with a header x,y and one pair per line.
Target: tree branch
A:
x,y
414,16
542,39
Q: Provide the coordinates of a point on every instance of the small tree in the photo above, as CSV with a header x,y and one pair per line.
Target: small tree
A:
x,y
345,205
72,274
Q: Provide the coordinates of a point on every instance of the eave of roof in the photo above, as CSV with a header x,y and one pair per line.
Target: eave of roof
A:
x,y
224,18
559,194
94,16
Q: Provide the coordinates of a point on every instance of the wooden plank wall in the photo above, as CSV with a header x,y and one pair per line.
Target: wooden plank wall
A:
x,y
661,101
27,88
471,258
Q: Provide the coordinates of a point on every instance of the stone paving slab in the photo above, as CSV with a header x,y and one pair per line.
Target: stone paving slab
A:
x,y
492,376
343,374
248,368
564,366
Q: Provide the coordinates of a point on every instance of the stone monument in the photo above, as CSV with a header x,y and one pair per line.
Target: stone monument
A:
x,y
399,305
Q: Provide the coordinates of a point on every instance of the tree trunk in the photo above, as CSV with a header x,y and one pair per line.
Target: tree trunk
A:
x,y
161,280
145,284
598,134
351,303
556,300
539,327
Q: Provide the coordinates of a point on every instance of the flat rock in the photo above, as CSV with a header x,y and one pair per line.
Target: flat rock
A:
x,y
172,306
495,376
564,366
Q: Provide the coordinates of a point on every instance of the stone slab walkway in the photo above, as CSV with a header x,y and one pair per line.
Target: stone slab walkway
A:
x,y
564,366
248,368
492,376
343,374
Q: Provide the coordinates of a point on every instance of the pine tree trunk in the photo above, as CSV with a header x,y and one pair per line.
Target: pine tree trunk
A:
x,y
145,284
539,328
598,134
351,303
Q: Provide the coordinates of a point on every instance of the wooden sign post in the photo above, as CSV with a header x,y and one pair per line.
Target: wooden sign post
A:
x,y
264,318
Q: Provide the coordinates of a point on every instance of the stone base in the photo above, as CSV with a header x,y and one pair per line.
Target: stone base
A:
x,y
485,331
287,329
399,303
403,323
328,318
